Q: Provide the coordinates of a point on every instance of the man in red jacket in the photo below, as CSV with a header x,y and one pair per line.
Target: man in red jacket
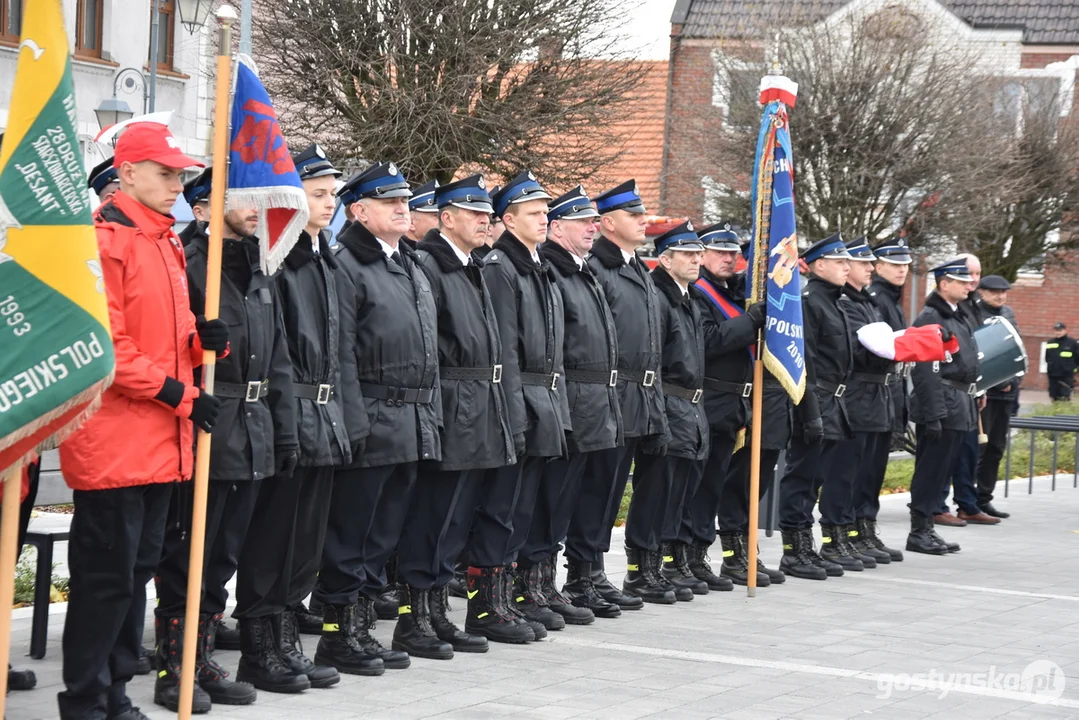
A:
x,y
122,464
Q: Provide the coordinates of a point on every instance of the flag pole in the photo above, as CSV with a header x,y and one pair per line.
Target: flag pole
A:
x,y
226,16
9,540
755,469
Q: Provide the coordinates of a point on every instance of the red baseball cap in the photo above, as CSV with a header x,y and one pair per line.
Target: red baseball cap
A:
x,y
151,141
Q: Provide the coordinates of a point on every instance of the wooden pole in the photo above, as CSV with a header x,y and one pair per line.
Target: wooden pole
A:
x,y
755,472
9,541
226,16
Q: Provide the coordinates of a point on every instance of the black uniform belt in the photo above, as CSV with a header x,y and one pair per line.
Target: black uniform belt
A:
x,y
491,374
836,389
872,378
969,388
644,377
547,380
740,389
321,394
694,396
398,395
595,377
248,392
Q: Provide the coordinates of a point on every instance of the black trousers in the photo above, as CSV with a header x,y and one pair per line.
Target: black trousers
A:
x,y
802,481
710,477
871,472
934,461
437,524
733,513
367,514
996,419
1060,388
525,506
559,489
598,502
229,507
655,510
280,558
842,464
114,546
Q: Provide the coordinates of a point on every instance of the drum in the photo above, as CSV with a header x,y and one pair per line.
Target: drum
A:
x,y
1001,354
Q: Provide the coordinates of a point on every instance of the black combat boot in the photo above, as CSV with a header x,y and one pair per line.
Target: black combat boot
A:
x,y
582,593
806,538
438,604
212,677
654,560
365,620
676,569
170,651
949,546
609,592
572,614
835,550
796,561
287,636
867,531
509,597
146,664
227,638
487,614
736,560
531,602
863,547
458,586
776,577
699,565
642,580
922,539
847,535
308,621
338,647
387,602
260,662
414,633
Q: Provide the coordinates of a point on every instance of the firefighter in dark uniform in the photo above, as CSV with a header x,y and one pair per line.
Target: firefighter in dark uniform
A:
x,y
389,380
423,214
197,196
528,307
1062,362
663,464
591,361
730,332
821,423
634,303
475,436
280,558
103,180
256,443
942,406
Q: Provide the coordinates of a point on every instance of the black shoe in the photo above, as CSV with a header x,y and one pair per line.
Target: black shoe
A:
x,y
921,538
438,604
582,593
458,587
867,532
509,599
988,509
863,548
414,634
308,621
655,561
227,638
132,713
365,620
675,568
21,679
848,537
530,600
261,663
146,661
213,678
572,614
286,635
699,565
487,614
797,560
831,568
338,647
170,651
609,592
643,581
834,549
387,602
948,546
736,560
775,577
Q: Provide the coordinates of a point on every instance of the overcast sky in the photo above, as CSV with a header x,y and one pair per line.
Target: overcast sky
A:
x,y
650,28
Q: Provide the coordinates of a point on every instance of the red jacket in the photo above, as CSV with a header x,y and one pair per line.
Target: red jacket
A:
x,y
134,439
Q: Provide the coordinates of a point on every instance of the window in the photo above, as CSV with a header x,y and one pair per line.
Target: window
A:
x,y
10,20
736,90
165,11
88,20
1019,101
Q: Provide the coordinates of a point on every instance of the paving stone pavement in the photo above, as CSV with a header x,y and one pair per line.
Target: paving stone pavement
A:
x,y
861,646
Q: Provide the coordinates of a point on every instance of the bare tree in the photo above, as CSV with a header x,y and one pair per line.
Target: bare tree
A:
x,y
440,85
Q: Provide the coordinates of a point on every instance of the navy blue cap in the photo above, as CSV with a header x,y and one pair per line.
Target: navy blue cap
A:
x,y
311,162
198,190
859,250
624,197
894,250
720,236
423,199
520,189
680,238
994,282
831,248
574,205
469,193
380,181
102,174
953,269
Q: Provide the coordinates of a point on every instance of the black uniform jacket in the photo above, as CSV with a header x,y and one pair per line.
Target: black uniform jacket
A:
x,y
936,396
389,346
829,357
889,300
868,398
248,435
727,355
476,432
528,307
591,353
634,304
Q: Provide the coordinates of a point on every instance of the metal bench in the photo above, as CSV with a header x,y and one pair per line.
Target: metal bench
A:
x,y
1055,424
52,490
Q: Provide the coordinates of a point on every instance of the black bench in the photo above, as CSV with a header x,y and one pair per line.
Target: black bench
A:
x,y
39,629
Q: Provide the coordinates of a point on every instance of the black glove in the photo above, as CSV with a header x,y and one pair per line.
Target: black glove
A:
x,y
932,430
357,449
213,334
756,313
519,445
657,450
204,410
945,334
813,432
285,462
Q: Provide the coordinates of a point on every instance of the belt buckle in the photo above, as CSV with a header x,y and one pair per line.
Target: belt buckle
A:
x,y
554,381
254,391
325,392
973,389
496,374
747,390
840,389
649,378
697,396
887,378
614,379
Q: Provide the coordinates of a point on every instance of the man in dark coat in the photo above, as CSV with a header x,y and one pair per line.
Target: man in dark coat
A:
x,y
634,303
389,381
423,214
591,361
1062,362
476,435
280,558
255,442
663,464
943,406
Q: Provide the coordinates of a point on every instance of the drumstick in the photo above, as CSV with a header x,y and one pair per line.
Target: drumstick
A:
x,y
982,437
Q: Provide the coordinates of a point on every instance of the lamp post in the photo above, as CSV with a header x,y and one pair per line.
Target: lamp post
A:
x,y
113,110
193,14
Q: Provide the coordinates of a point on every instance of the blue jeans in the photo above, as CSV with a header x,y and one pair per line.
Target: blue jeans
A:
x,y
964,489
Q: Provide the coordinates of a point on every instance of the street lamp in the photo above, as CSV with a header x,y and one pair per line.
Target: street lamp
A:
x,y
193,13
113,110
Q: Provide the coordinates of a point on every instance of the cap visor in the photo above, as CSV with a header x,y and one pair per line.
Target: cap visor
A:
x,y
686,247
321,173
724,246
844,255
534,195
425,209
960,278
477,206
896,259
177,161
580,215
396,193
863,259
